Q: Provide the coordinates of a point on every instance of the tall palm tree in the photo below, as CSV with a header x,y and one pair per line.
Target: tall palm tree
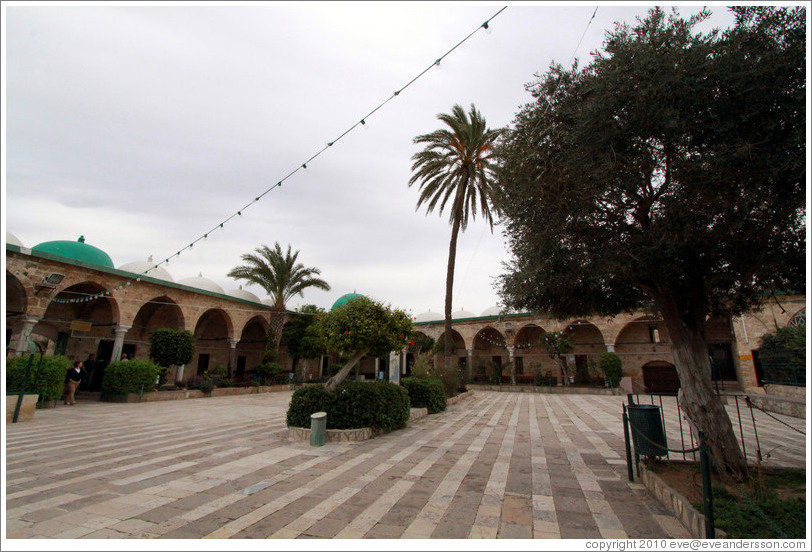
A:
x,y
281,277
457,164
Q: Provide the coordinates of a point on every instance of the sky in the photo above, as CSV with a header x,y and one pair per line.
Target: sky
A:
x,y
143,126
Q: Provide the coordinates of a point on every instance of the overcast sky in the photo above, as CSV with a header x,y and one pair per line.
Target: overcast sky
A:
x,y
142,127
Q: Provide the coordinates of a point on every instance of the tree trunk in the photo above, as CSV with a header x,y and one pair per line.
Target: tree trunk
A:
x,y
698,401
449,291
275,334
336,380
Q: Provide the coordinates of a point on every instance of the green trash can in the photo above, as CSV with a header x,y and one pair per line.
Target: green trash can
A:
x,y
318,429
648,433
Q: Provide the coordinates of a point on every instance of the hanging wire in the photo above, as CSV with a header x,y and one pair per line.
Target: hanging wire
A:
x,y
303,165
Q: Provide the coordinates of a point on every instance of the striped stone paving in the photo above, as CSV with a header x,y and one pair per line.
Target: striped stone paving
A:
x,y
495,465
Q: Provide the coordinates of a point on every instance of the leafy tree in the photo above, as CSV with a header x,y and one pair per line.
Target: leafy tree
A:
x,y
457,164
279,274
783,355
612,368
170,347
558,345
670,170
299,333
362,327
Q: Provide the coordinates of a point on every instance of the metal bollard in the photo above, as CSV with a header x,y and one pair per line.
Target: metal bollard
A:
x,y
318,429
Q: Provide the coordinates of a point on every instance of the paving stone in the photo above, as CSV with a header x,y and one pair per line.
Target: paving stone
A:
x,y
495,465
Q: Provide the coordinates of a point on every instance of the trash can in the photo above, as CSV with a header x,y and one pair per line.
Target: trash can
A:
x,y
318,429
647,430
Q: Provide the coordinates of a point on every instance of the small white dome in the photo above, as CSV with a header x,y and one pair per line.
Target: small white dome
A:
x,y
200,282
147,268
462,313
243,294
495,310
13,240
428,316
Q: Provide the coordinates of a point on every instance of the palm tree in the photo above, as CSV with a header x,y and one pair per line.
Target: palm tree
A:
x,y
281,277
457,164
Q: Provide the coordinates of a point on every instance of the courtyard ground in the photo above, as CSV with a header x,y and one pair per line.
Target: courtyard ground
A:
x,y
495,465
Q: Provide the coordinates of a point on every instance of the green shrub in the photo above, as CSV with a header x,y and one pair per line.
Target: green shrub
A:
x,y
46,378
268,372
206,385
426,393
355,404
423,365
612,368
451,378
132,376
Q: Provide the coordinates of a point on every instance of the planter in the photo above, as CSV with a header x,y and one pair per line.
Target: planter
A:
x,y
27,408
46,404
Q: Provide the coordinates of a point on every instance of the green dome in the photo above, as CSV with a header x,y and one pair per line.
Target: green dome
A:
x,y
344,299
78,251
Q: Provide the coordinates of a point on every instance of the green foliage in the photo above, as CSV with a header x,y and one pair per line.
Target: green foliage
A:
x,y
364,325
170,347
379,405
611,365
783,355
206,385
46,378
607,156
450,377
744,515
300,333
423,365
421,343
132,376
425,393
268,372
557,344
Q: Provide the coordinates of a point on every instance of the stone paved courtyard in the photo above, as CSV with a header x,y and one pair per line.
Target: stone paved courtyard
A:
x,y
495,465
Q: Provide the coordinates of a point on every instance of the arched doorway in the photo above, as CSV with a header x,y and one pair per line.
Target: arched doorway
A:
x,y
250,348
660,377
588,343
212,333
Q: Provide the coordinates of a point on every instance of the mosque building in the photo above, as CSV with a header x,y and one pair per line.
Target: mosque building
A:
x,y
69,297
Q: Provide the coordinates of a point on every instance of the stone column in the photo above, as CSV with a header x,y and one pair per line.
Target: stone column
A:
x,y
470,367
610,347
512,366
232,354
22,342
118,344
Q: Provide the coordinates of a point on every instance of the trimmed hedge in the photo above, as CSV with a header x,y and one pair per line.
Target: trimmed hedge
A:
x,y
47,379
426,393
355,404
121,378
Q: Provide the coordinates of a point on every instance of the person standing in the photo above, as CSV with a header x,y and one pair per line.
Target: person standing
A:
x,y
87,373
72,380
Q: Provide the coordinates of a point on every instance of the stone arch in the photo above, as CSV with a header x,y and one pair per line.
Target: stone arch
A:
x,y
588,342
459,352
250,347
77,319
529,354
16,307
158,312
660,376
641,331
212,332
490,352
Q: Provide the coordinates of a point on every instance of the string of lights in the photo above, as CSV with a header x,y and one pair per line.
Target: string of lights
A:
x,y
303,165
